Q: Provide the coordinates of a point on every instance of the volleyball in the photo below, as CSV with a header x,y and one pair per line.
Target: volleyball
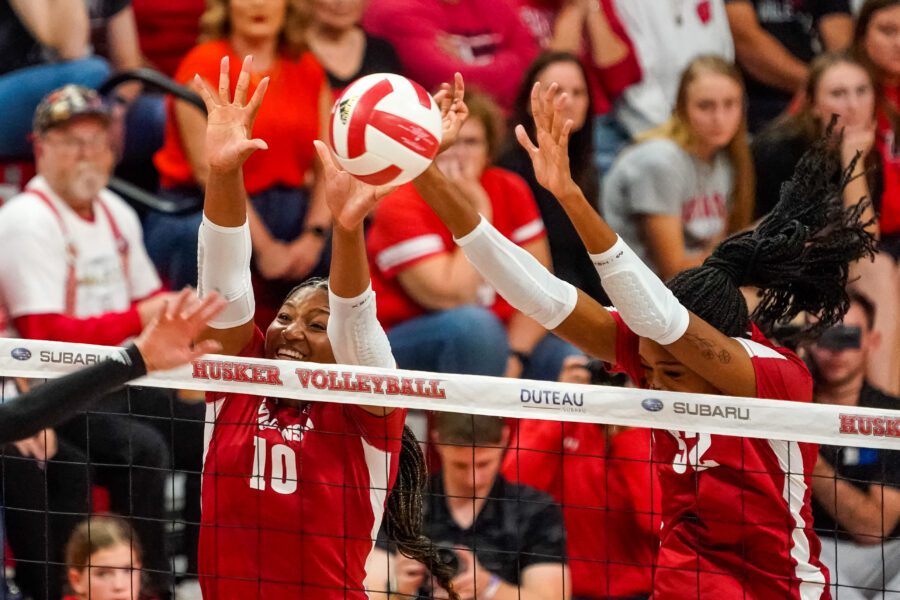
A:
x,y
385,129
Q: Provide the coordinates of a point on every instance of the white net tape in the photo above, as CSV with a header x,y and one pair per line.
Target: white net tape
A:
x,y
725,415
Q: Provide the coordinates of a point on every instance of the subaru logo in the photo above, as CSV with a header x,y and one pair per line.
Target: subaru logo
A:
x,y
21,353
652,404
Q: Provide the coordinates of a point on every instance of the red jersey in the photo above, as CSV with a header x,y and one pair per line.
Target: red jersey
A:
x,y
609,496
288,120
292,497
405,231
737,519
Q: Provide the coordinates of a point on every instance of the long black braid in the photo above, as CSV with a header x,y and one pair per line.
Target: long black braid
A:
x,y
405,513
798,257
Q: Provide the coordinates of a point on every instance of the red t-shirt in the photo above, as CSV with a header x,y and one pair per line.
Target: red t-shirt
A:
x,y
889,217
405,231
609,496
288,120
292,497
737,520
167,30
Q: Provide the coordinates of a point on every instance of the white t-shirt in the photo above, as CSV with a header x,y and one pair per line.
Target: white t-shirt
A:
x,y
658,177
34,259
667,35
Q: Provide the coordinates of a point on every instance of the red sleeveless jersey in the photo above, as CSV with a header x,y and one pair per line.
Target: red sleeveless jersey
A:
x,y
292,496
736,513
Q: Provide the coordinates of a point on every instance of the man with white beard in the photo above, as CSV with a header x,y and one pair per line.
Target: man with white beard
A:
x,y
73,268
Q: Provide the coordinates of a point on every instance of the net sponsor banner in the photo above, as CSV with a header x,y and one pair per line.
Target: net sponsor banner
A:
x,y
518,398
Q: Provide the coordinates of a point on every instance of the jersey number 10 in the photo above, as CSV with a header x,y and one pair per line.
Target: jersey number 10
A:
x,y
284,467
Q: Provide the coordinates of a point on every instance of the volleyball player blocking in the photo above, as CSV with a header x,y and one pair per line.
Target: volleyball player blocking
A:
x,y
737,521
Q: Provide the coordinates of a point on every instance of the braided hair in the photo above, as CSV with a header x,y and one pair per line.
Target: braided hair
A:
x,y
405,505
405,513
798,256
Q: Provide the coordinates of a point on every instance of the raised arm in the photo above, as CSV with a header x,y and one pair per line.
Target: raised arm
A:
x,y
224,246
642,299
517,275
356,336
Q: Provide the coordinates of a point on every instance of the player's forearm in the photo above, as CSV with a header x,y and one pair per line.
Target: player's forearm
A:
x,y
595,234
225,203
508,591
55,401
447,202
349,275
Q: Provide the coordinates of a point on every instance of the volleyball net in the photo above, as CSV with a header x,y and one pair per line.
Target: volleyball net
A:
x,y
561,494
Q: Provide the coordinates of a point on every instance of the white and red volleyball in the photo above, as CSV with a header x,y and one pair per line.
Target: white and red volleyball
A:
x,y
385,129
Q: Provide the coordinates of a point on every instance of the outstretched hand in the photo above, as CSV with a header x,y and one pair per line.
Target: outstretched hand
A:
x,y
550,157
229,123
348,198
454,112
168,341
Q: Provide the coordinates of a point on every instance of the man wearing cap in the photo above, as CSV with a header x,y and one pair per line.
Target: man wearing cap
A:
x,y
73,268
856,491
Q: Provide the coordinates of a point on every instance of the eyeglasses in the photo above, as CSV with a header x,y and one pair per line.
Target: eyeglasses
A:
x,y
72,144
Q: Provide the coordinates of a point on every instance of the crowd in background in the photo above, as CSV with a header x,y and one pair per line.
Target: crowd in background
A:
x,y
688,117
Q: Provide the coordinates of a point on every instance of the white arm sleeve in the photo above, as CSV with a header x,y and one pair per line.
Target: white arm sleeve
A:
x,y
223,265
646,305
356,336
518,276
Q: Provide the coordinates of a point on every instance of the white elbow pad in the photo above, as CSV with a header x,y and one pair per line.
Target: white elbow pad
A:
x,y
356,336
223,265
644,302
518,276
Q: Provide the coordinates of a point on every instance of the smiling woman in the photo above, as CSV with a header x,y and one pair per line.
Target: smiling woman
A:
x,y
294,492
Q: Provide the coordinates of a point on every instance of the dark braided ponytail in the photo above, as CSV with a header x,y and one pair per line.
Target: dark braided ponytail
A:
x,y
798,256
405,513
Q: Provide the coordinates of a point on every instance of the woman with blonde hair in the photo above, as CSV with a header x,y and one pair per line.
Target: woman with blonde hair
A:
x,y
289,220
688,183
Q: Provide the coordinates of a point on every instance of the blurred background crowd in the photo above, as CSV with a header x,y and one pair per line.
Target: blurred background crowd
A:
x,y
688,116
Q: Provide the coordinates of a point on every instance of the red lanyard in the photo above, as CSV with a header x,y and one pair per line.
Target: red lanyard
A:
x,y
72,249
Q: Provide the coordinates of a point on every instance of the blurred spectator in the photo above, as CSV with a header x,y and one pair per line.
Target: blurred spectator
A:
x,y
605,482
840,86
570,262
668,36
592,30
482,39
43,45
429,294
687,184
167,30
73,268
775,40
289,221
508,539
856,491
103,558
344,50
876,44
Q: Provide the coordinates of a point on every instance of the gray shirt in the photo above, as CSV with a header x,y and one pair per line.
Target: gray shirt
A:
x,y
658,177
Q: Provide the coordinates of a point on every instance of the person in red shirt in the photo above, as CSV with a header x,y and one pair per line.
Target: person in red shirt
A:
x,y
876,44
440,314
288,216
294,492
605,482
736,512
